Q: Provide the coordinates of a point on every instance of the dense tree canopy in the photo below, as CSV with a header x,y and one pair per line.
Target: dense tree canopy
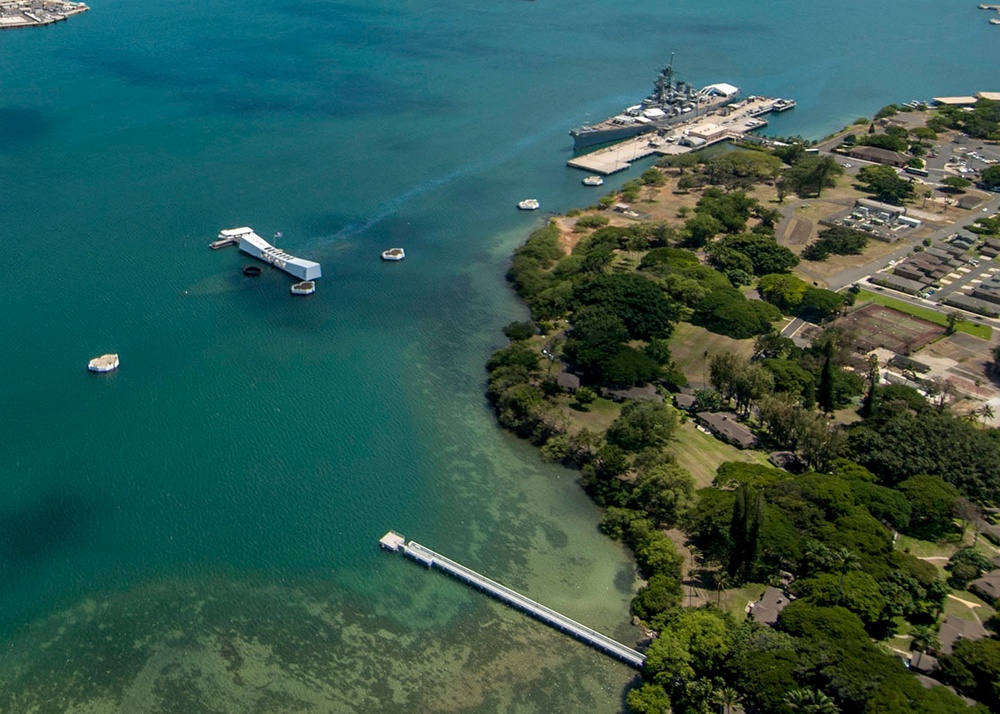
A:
x,y
837,240
639,303
886,184
764,252
906,444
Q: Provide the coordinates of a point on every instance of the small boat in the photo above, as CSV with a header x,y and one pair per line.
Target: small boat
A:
x,y
393,254
593,181
252,271
104,363
528,204
306,287
994,21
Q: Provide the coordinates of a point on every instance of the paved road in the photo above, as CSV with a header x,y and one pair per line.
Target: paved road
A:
x,y
852,275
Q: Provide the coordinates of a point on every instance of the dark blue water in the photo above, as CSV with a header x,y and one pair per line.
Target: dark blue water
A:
x,y
217,500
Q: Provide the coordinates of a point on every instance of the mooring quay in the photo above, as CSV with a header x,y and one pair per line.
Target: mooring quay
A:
x,y
732,122
395,542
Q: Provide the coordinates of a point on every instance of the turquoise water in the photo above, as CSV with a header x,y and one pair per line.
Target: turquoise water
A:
x,y
203,521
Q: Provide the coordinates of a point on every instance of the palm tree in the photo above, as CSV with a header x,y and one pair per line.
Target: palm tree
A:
x,y
727,698
846,560
986,412
722,581
810,701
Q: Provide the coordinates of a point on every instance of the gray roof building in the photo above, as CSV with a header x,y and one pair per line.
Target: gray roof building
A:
x,y
771,603
923,663
728,429
988,586
684,401
569,382
879,156
954,629
896,283
647,391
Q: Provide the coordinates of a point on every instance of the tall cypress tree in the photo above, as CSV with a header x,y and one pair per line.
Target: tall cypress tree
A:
x,y
824,393
744,531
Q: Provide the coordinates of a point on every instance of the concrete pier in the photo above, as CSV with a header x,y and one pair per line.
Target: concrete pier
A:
x,y
425,556
732,122
25,13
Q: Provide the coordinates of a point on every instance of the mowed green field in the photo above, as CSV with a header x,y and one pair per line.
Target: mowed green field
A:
x,y
690,344
701,453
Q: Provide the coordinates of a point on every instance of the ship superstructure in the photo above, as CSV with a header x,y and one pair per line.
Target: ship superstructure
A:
x,y
671,101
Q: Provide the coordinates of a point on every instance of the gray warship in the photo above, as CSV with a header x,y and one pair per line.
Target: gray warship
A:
x,y
671,101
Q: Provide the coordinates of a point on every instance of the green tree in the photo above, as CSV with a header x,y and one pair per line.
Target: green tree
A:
x,y
825,391
812,173
810,701
991,176
518,331
752,384
642,425
637,301
886,184
764,252
701,228
954,319
933,504
585,396
695,642
665,492
744,531
727,312
957,183
724,369
727,698
783,290
597,336
653,177
974,667
648,699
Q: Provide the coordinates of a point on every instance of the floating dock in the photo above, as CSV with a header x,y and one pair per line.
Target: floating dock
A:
x,y
731,122
252,244
395,542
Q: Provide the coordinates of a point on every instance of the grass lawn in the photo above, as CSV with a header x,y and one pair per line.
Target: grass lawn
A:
x,y
597,418
702,453
963,611
984,332
689,344
925,548
735,601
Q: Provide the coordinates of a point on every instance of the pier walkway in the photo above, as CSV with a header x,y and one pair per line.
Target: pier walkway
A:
x,y
395,542
732,122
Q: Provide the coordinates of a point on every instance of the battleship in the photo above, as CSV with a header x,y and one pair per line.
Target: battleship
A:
x,y
671,101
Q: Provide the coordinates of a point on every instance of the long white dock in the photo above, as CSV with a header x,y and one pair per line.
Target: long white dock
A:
x,y
395,542
732,122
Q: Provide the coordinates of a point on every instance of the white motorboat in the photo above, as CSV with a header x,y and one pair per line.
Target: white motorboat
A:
x,y
593,181
393,254
528,204
306,287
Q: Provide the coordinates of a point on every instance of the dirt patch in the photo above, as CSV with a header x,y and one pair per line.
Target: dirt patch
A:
x,y
801,230
880,326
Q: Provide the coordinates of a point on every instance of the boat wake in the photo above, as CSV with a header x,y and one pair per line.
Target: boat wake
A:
x,y
391,207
